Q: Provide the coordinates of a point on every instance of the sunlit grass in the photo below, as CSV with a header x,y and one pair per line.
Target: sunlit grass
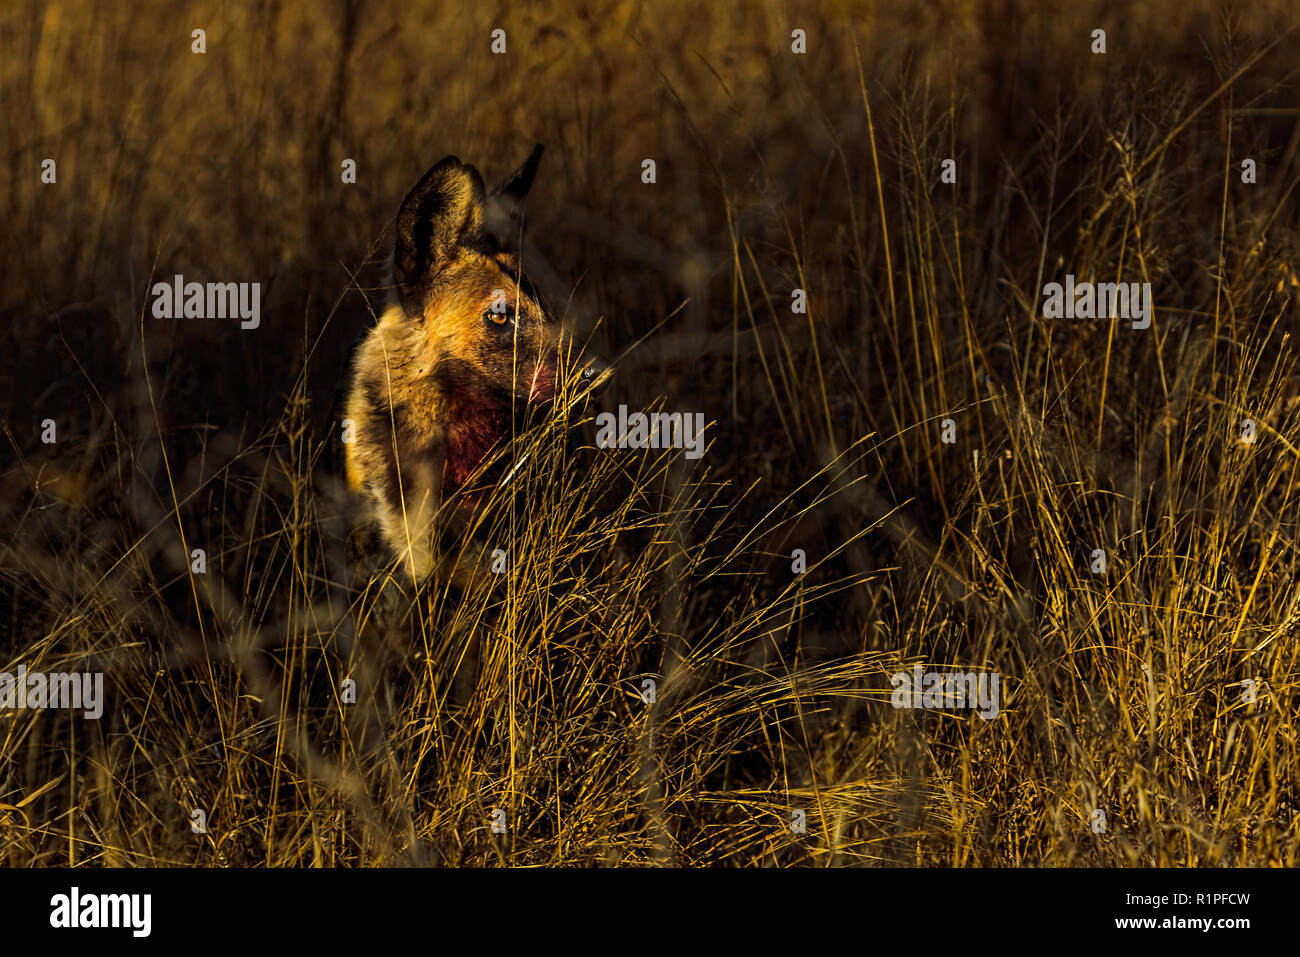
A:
x,y
524,690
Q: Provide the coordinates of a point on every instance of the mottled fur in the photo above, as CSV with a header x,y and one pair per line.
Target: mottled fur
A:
x,y
466,340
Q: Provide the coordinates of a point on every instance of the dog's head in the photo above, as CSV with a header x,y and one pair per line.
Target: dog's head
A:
x,y
457,268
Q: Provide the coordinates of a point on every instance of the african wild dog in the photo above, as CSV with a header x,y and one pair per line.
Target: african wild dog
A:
x,y
466,339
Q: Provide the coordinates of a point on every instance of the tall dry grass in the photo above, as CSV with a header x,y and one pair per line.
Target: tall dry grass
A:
x,y
522,691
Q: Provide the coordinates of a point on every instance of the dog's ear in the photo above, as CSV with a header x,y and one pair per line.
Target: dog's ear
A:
x,y
503,219
442,213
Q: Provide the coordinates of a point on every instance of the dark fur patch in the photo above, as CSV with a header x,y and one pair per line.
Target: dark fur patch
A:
x,y
477,416
473,428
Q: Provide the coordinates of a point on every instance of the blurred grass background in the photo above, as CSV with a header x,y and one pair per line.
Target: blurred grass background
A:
x,y
775,171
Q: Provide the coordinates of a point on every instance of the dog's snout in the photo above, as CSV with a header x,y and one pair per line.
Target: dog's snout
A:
x,y
593,370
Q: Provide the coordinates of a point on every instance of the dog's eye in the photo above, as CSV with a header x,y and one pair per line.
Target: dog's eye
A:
x,y
496,318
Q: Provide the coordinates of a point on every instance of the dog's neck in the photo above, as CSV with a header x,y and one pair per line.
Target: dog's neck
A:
x,y
474,425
